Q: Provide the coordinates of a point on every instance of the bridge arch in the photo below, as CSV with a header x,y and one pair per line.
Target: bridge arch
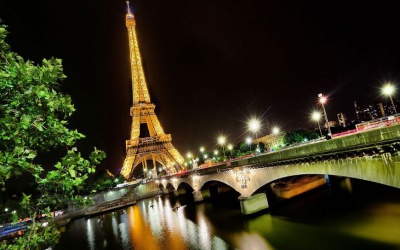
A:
x,y
375,169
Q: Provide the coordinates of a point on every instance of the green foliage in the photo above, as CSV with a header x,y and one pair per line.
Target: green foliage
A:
x,y
103,181
33,120
298,136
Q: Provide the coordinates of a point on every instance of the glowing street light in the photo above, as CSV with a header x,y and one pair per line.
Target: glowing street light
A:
x,y
322,100
222,141
189,156
202,149
316,116
249,141
389,90
275,130
230,147
216,154
254,126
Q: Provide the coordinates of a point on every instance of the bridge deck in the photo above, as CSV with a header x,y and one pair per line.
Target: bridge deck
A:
x,y
371,142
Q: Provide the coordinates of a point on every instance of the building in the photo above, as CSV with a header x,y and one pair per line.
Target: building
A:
x,y
374,111
342,119
271,141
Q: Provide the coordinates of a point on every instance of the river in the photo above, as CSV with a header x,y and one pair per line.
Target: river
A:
x,y
347,214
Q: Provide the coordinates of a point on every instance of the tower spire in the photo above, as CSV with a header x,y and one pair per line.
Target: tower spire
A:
x,y
139,85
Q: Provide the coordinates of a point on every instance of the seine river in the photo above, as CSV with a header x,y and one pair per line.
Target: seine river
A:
x,y
348,214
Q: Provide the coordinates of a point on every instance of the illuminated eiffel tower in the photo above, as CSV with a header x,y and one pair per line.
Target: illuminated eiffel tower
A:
x,y
158,146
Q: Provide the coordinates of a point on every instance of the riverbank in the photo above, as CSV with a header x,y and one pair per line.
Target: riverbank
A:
x,y
67,217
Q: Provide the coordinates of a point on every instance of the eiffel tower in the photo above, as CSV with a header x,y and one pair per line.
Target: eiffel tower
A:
x,y
158,147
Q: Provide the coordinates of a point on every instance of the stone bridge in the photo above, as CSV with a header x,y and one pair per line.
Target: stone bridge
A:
x,y
372,156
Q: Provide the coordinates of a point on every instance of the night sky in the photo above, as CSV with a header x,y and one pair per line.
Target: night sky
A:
x,y
210,65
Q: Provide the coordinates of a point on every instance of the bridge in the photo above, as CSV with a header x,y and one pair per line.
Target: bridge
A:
x,y
372,156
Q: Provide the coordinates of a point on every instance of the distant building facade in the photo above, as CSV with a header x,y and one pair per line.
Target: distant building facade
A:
x,y
342,119
374,111
271,141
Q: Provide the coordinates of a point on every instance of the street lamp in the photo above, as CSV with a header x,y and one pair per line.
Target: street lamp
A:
x,y
322,100
189,156
249,141
389,89
316,116
275,130
202,149
254,126
230,147
216,154
221,141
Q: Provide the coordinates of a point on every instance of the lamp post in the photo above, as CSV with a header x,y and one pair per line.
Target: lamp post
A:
x,y
275,133
221,141
202,149
215,155
249,141
322,100
316,116
389,89
230,147
189,156
254,126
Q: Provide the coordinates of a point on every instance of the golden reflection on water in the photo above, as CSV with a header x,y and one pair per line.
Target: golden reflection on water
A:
x,y
152,226
141,237
382,224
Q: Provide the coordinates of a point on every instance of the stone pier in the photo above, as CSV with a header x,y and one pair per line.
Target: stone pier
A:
x,y
253,204
201,195
197,196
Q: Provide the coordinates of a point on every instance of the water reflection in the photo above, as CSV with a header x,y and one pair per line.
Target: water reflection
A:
x,y
90,234
347,217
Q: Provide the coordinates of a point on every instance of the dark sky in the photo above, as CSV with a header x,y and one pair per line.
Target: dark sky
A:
x,y
210,65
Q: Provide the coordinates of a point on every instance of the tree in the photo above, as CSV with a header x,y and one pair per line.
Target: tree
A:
x,y
103,181
298,136
33,121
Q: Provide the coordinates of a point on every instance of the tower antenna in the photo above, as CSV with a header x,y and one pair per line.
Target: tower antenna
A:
x,y
129,9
